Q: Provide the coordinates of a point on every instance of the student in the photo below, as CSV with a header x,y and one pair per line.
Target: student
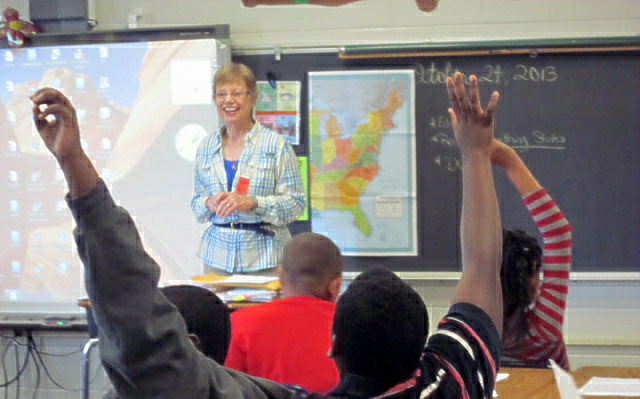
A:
x,y
287,340
206,319
205,316
534,312
145,348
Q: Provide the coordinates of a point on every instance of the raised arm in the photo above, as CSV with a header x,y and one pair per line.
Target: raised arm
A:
x,y
550,304
480,228
506,157
144,345
56,121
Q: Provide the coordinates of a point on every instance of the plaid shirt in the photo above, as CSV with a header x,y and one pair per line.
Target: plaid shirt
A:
x,y
276,185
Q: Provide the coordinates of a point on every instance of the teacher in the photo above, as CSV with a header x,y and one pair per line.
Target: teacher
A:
x,y
246,181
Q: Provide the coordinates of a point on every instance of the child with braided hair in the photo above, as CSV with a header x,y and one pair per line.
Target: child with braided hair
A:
x,y
533,309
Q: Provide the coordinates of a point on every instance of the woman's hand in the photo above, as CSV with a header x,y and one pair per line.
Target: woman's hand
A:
x,y
224,204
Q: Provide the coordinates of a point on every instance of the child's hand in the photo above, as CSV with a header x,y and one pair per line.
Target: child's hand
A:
x,y
473,126
60,134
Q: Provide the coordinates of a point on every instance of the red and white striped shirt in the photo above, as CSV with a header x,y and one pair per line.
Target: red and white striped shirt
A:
x,y
544,319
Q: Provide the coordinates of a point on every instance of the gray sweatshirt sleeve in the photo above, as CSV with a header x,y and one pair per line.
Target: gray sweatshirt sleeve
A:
x,y
144,346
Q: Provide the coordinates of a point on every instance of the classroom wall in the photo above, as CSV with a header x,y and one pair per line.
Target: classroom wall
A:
x,y
603,319
384,21
21,5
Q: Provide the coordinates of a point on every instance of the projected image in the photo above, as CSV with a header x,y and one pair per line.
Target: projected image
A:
x,y
143,108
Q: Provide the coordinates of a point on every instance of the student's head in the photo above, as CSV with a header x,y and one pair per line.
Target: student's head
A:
x,y
311,266
521,263
206,317
380,328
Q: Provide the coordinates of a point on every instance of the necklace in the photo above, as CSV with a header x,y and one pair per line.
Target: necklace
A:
x,y
234,164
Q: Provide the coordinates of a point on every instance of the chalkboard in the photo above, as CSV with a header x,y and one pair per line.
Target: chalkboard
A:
x,y
573,117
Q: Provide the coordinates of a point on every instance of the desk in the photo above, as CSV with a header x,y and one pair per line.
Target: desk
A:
x,y
539,383
527,384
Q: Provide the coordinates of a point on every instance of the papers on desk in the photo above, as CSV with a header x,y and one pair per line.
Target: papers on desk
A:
x,y
500,377
246,295
598,386
240,280
167,283
565,382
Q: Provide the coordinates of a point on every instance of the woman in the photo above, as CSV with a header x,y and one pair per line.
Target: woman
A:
x,y
533,310
246,182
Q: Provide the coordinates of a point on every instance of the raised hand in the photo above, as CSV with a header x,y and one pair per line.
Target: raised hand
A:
x,y
473,126
480,228
60,134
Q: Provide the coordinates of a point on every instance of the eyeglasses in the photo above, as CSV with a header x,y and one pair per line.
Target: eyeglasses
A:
x,y
222,95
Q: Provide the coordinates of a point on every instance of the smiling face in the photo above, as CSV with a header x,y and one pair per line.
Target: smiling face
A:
x,y
235,103
235,93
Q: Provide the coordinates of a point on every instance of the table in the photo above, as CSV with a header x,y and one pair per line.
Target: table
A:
x,y
526,383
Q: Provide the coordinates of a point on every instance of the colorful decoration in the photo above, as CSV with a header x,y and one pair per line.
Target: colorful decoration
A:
x,y
16,29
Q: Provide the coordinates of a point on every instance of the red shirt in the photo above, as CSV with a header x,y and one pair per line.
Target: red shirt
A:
x,y
285,340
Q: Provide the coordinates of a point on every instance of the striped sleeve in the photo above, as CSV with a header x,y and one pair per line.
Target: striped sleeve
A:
x,y
467,348
550,305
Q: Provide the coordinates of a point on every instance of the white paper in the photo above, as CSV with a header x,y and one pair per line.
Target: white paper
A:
x,y
244,279
500,377
564,381
599,386
388,206
246,294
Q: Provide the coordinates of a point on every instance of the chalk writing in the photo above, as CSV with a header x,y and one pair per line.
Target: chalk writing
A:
x,y
433,75
541,74
440,121
452,164
444,139
537,140
491,73
542,138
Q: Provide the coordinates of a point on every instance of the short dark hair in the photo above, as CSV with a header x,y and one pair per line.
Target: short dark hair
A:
x,y
310,262
205,316
380,326
521,259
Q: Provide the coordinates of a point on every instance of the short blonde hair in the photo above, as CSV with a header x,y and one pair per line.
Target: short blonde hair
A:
x,y
232,72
